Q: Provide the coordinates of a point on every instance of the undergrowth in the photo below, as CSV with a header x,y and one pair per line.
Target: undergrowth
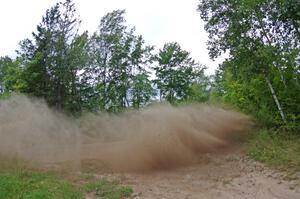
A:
x,y
276,149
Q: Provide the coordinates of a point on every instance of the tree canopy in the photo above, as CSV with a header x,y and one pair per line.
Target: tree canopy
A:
x,y
109,70
261,39
114,68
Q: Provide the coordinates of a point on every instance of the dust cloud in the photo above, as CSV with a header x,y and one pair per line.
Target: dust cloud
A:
x,y
157,137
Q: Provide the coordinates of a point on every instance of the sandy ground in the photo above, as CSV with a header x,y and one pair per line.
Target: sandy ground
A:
x,y
218,176
157,137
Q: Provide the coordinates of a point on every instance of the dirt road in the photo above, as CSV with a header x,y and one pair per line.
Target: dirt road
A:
x,y
221,176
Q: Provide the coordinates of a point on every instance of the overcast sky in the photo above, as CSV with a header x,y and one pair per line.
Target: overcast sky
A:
x,y
159,21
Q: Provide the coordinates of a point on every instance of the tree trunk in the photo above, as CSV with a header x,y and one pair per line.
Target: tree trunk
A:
x,y
276,100
104,76
269,41
297,83
281,75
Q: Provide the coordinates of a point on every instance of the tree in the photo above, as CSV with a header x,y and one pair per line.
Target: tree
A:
x,y
141,89
49,59
119,59
262,42
11,76
177,73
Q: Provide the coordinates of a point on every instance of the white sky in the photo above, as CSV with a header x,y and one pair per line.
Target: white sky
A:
x,y
159,21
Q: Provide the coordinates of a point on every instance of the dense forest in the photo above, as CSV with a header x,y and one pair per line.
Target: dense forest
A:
x,y
113,69
261,74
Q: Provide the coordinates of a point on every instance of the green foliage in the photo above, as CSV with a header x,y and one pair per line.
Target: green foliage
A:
x,y
11,78
178,76
199,92
53,58
108,190
118,63
275,149
109,70
261,73
35,185
141,90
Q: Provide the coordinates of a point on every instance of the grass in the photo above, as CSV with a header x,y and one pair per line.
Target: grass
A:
x,y
278,150
27,184
108,189
20,181
36,185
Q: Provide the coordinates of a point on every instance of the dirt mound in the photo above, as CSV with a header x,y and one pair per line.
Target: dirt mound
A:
x,y
158,137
